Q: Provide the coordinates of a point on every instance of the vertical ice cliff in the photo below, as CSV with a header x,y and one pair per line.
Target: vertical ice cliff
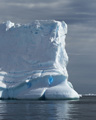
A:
x,y
33,61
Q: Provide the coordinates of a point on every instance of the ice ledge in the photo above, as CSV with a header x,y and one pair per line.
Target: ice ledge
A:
x,y
10,24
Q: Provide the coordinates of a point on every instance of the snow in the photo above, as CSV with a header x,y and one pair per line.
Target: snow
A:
x,y
33,61
9,25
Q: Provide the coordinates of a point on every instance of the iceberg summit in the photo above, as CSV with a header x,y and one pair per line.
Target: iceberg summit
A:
x,y
33,61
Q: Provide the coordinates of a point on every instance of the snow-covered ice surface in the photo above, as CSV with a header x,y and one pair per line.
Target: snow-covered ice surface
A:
x,y
33,61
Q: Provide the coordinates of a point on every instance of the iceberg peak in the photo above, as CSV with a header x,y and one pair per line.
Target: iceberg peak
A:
x,y
9,25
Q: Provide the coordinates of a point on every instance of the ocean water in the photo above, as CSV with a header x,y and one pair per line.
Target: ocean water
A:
x,y
82,109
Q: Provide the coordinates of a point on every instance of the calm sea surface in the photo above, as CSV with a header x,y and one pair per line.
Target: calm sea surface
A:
x,y
83,109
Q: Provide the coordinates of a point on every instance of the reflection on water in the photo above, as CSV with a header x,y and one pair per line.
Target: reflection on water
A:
x,y
63,110
36,110
84,109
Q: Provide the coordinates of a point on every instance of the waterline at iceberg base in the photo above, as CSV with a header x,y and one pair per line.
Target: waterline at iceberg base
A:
x,y
33,61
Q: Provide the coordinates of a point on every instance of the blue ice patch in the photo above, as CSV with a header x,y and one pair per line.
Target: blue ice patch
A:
x,y
50,80
29,84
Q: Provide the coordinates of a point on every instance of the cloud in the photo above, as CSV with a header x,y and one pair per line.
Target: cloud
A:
x,y
33,9
38,5
71,11
33,4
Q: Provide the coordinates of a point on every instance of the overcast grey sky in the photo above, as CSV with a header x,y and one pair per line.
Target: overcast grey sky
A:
x,y
80,15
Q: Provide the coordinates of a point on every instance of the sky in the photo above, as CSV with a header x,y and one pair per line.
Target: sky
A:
x,y
80,16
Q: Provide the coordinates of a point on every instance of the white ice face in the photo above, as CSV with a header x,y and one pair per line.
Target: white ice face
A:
x,y
34,58
9,25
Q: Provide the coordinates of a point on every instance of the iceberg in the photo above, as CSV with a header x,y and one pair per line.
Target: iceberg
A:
x,y
33,61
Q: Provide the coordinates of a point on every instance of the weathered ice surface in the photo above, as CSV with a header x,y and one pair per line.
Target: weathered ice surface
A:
x,y
33,61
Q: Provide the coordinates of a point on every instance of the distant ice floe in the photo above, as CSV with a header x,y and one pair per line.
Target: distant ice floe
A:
x,y
90,94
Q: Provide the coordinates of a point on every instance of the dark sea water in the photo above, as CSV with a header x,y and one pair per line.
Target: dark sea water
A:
x,y
82,109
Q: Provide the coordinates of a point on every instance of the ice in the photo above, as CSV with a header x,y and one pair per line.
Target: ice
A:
x,y
9,24
33,61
